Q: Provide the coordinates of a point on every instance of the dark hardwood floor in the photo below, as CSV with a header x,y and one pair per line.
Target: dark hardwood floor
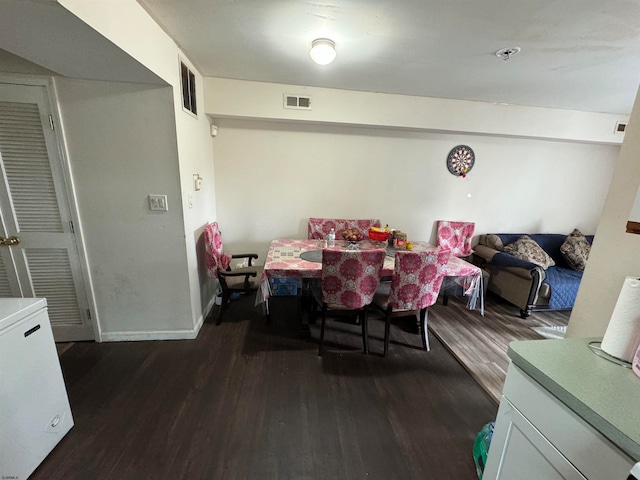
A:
x,y
250,401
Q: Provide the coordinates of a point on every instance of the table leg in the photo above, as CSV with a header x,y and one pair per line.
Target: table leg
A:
x,y
305,316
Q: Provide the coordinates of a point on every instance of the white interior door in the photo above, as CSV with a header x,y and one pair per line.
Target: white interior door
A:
x,y
38,252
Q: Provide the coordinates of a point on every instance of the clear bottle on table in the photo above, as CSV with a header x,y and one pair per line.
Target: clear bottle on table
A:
x,y
331,237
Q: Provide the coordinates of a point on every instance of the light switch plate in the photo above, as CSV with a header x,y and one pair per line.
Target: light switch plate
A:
x,y
158,203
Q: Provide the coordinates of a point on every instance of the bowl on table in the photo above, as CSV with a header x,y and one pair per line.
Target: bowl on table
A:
x,y
378,236
352,235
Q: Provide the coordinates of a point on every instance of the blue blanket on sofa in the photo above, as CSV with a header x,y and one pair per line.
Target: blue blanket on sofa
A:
x,y
564,282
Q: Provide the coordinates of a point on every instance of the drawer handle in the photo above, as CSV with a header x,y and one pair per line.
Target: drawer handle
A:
x,y
32,330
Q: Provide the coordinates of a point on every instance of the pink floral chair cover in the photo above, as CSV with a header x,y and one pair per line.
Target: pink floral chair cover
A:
x,y
318,228
414,287
216,259
456,236
350,277
417,278
349,281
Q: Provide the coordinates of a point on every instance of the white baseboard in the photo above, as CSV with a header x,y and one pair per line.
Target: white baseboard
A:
x,y
149,335
160,334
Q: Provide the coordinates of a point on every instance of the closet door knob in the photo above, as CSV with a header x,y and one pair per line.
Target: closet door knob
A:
x,y
7,242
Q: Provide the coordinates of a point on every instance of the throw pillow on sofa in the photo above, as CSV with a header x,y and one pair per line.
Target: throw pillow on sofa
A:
x,y
575,250
526,248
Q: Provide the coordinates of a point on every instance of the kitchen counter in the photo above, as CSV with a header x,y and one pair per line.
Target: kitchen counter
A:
x,y
603,394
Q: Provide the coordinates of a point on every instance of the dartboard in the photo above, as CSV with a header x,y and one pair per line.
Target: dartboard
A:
x,y
460,160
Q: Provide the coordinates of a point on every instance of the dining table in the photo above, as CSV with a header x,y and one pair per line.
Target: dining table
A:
x,y
302,259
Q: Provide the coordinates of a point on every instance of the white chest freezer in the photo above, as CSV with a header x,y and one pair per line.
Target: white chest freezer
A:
x,y
34,407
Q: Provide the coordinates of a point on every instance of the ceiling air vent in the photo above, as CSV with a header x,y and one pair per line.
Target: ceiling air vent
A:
x,y
297,102
620,127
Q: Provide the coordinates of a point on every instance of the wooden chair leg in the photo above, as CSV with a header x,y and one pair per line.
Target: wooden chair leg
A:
x,y
223,306
313,311
387,330
324,321
365,331
423,328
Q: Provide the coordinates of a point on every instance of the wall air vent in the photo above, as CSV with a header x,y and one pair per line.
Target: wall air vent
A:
x,y
188,79
620,127
297,102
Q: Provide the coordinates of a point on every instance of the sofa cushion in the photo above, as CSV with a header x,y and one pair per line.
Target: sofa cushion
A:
x,y
493,241
525,248
575,250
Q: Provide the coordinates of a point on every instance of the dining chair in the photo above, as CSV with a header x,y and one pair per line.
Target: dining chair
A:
x,y
349,281
318,228
456,236
239,280
414,287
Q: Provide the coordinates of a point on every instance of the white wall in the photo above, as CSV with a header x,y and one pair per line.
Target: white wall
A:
x,y
615,254
359,154
10,63
121,146
227,98
127,25
634,216
298,171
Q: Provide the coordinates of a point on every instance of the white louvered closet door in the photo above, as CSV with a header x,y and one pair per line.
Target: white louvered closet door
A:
x,y
39,255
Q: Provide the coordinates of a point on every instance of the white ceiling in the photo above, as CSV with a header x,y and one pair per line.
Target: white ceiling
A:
x,y
576,54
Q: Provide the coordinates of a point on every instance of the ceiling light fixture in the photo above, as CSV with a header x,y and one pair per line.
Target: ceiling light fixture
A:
x,y
506,53
323,51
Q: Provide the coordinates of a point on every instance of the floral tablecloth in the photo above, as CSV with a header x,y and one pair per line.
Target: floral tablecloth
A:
x,y
283,261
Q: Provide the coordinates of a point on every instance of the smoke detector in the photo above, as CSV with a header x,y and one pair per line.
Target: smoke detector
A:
x,y
506,53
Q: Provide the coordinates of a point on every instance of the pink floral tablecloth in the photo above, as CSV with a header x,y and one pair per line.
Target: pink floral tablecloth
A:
x,y
283,261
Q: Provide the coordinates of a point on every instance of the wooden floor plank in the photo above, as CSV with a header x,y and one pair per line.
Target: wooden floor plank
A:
x,y
250,401
480,343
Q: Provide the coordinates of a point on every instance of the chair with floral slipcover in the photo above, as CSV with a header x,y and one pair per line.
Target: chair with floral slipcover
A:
x,y
414,287
319,228
349,281
239,280
456,236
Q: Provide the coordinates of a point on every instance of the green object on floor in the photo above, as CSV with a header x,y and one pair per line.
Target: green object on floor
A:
x,y
481,447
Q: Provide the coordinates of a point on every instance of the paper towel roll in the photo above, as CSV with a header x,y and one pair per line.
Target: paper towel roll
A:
x,y
623,333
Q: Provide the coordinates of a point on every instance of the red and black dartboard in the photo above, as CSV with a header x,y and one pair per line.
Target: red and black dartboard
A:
x,y
460,160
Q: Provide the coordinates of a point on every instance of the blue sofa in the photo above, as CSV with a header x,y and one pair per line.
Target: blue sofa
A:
x,y
525,284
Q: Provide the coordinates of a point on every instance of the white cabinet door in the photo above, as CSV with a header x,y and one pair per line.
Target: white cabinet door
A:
x,y
519,451
34,211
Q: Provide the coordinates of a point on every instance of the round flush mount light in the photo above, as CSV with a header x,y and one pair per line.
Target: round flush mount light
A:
x,y
323,51
506,53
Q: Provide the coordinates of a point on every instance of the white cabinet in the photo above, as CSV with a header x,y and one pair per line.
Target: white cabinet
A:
x,y
538,437
34,407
